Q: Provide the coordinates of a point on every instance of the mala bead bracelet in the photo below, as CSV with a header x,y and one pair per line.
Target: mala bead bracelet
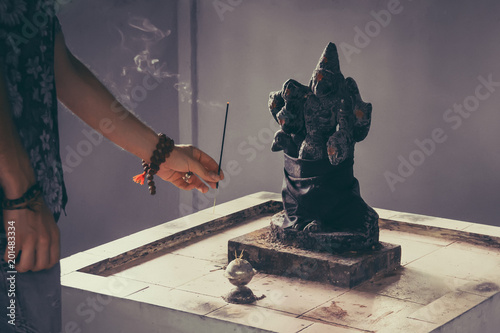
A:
x,y
30,200
160,154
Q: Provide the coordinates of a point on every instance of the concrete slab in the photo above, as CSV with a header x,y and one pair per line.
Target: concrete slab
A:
x,y
344,270
362,310
169,278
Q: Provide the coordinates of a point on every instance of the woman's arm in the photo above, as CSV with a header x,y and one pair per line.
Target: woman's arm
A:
x,y
84,95
35,232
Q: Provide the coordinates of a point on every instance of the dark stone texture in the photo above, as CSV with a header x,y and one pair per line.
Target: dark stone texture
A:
x,y
320,125
346,269
241,295
331,242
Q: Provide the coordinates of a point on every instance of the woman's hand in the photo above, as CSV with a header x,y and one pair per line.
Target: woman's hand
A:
x,y
35,235
184,159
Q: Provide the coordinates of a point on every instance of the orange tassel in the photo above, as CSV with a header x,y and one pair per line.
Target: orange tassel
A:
x,y
139,179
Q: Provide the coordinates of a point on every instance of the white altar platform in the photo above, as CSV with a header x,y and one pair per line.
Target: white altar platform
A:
x,y
169,278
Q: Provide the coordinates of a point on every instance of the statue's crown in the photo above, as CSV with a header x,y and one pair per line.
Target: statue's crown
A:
x,y
329,60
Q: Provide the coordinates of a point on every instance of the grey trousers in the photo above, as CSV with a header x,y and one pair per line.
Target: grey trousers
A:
x,y
31,301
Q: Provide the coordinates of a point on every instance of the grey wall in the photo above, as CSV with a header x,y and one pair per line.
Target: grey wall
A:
x,y
413,69
104,203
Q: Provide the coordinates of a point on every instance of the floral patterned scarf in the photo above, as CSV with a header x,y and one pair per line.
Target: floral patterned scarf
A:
x,y
27,33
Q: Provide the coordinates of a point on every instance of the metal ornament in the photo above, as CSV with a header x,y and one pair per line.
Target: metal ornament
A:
x,y
240,272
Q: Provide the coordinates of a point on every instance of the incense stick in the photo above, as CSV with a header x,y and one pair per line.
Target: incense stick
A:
x,y
221,150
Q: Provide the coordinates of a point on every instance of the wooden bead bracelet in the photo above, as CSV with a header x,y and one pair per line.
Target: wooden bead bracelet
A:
x,y
160,154
31,200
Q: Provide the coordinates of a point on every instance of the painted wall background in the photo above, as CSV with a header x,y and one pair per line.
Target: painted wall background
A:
x,y
413,60
104,204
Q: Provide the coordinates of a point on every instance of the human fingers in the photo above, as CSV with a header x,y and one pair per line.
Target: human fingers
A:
x,y
191,178
27,256
208,167
42,254
203,173
55,248
47,246
180,183
194,182
199,185
207,161
188,183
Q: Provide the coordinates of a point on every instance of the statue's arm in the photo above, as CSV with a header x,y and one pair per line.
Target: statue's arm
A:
x,y
362,112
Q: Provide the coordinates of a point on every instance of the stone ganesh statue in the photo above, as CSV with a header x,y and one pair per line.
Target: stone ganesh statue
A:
x,y
320,125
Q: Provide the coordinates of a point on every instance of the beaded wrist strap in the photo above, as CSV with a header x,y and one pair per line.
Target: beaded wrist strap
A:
x,y
162,152
29,200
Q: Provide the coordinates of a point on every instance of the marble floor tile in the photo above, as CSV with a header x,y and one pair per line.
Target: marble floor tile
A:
x,y
130,242
447,307
80,260
411,284
460,263
482,288
255,316
410,249
213,248
408,325
112,285
169,270
484,229
324,328
478,249
178,299
362,310
293,295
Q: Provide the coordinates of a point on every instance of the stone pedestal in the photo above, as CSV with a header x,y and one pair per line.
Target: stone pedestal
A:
x,y
346,269
169,278
332,242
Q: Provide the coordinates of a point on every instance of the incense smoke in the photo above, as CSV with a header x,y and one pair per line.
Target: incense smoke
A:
x,y
149,36
142,34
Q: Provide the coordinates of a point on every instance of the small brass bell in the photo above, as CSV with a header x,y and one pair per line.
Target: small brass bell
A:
x,y
240,272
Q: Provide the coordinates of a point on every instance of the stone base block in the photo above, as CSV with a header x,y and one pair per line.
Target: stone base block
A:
x,y
345,270
332,242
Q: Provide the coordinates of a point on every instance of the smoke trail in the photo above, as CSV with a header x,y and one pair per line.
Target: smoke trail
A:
x,y
186,96
143,24
149,36
145,36
146,64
